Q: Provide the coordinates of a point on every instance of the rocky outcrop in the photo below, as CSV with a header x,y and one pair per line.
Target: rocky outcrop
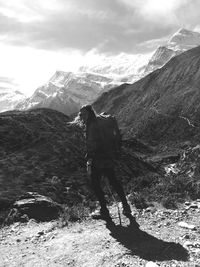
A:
x,y
33,206
188,163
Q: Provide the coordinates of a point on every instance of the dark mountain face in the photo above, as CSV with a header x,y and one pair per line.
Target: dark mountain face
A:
x,y
164,105
35,146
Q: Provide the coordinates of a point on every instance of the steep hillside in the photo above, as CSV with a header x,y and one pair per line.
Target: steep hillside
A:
x,y
163,105
35,146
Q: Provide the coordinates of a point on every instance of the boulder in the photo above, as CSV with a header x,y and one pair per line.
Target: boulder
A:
x,y
33,206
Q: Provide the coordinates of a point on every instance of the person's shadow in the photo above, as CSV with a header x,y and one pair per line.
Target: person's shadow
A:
x,y
145,245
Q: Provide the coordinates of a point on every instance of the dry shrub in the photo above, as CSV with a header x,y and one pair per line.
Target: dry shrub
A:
x,y
75,213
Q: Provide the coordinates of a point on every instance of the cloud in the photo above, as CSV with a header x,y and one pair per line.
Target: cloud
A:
x,y
7,82
108,26
189,13
197,28
4,79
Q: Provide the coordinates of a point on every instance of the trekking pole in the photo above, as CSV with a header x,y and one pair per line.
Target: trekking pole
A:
x,y
115,201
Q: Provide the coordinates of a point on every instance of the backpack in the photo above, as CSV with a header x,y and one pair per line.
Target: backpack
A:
x,y
110,134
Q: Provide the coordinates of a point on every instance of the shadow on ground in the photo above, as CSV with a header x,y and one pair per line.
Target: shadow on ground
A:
x,y
145,245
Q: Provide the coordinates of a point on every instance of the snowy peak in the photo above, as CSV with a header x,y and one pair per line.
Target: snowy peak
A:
x,y
9,98
129,68
181,41
71,90
184,39
159,58
120,68
67,91
60,78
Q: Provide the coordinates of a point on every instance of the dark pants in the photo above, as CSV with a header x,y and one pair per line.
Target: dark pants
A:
x,y
96,175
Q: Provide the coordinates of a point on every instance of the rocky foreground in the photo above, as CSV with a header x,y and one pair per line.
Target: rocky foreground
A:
x,y
41,152
165,238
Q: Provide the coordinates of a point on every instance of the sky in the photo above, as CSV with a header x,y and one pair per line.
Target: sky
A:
x,y
41,36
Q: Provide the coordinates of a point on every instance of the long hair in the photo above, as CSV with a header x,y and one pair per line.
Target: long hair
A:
x,y
91,116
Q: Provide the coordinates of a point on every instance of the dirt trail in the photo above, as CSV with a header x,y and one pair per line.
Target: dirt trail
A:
x,y
94,243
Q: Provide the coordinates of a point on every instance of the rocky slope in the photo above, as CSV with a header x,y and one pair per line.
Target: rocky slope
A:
x,y
164,105
67,91
9,98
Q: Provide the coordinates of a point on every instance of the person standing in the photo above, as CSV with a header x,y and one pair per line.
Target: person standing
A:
x,y
101,155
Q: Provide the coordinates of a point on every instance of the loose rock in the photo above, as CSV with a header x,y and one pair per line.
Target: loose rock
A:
x,y
186,225
151,264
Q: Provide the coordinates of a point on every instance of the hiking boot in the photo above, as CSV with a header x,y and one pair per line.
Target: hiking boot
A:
x,y
102,215
127,211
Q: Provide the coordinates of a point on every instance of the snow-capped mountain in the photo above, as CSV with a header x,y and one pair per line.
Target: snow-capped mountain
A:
x,y
181,41
184,40
121,68
130,68
9,98
67,91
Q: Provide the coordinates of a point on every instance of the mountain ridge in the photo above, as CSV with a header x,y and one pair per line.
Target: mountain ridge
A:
x,y
68,91
161,95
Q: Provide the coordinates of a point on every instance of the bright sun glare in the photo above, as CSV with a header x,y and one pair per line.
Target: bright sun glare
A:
x,y
31,68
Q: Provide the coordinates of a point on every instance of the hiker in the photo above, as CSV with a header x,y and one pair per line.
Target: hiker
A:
x,y
101,157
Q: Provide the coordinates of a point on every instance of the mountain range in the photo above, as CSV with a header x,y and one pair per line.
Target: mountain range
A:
x,y
181,41
67,91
